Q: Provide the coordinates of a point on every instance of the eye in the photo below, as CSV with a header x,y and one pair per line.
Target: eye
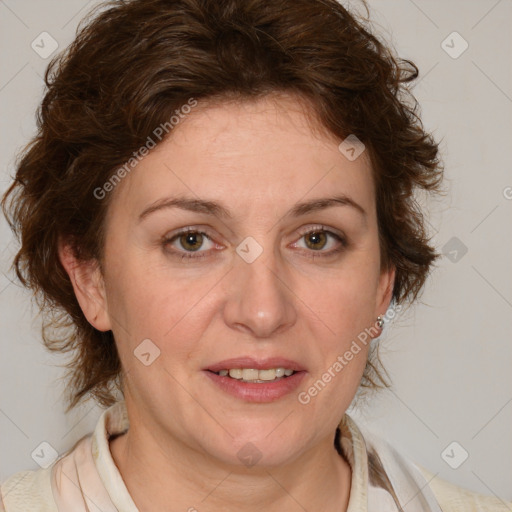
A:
x,y
319,239
191,243
187,242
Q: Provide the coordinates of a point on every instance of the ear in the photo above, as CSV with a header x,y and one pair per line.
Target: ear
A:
x,y
384,290
88,285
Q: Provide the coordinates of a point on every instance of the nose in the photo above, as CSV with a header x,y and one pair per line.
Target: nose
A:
x,y
260,301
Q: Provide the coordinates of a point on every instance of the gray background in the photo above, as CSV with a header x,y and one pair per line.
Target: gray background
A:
x,y
449,357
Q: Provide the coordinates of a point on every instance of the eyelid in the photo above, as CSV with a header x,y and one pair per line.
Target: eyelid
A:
x,y
320,227
203,230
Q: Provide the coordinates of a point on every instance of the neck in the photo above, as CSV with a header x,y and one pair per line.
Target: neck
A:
x,y
157,476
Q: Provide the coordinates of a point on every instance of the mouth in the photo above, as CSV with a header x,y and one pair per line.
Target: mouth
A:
x,y
256,376
254,380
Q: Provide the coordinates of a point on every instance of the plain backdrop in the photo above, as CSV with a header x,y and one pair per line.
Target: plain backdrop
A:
x,y
449,357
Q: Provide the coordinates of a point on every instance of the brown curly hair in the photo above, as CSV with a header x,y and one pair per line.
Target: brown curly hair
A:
x,y
134,63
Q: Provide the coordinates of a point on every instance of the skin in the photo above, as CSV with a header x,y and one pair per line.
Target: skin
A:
x,y
258,159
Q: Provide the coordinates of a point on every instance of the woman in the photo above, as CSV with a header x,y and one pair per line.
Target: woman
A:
x,y
217,216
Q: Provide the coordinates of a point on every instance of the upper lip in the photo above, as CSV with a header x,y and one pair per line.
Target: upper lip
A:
x,y
258,364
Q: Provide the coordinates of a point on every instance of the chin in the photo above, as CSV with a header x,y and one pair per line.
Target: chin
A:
x,y
263,444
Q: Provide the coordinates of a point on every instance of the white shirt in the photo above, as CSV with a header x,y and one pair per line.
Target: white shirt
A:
x,y
86,478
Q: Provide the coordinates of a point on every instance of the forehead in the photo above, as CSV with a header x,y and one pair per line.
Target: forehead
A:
x,y
259,153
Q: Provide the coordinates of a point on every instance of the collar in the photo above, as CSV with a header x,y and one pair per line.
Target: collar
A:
x,y
89,475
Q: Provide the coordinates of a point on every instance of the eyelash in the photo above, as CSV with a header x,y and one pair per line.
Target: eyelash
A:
x,y
203,254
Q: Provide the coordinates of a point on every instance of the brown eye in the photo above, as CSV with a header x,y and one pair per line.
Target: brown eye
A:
x,y
189,244
321,242
316,240
191,241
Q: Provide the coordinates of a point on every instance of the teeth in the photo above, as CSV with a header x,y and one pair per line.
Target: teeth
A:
x,y
249,374
235,374
254,375
266,374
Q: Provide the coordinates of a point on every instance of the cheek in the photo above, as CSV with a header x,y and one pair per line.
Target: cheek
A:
x,y
150,303
345,300
341,350
345,307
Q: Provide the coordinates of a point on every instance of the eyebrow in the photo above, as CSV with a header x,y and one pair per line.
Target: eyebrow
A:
x,y
217,210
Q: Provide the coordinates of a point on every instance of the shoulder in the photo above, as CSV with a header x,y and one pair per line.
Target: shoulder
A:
x,y
28,490
34,489
453,498
390,470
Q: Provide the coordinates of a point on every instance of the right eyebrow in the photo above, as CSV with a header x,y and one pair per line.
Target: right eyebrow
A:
x,y
190,204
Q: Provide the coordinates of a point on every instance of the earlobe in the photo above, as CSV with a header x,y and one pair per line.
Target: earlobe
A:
x,y
89,287
385,294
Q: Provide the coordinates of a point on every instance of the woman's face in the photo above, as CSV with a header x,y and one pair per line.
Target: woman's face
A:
x,y
247,283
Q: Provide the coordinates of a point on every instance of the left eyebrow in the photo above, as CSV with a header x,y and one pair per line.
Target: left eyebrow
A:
x,y
323,203
218,210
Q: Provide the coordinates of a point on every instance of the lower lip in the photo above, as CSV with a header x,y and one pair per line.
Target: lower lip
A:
x,y
254,392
